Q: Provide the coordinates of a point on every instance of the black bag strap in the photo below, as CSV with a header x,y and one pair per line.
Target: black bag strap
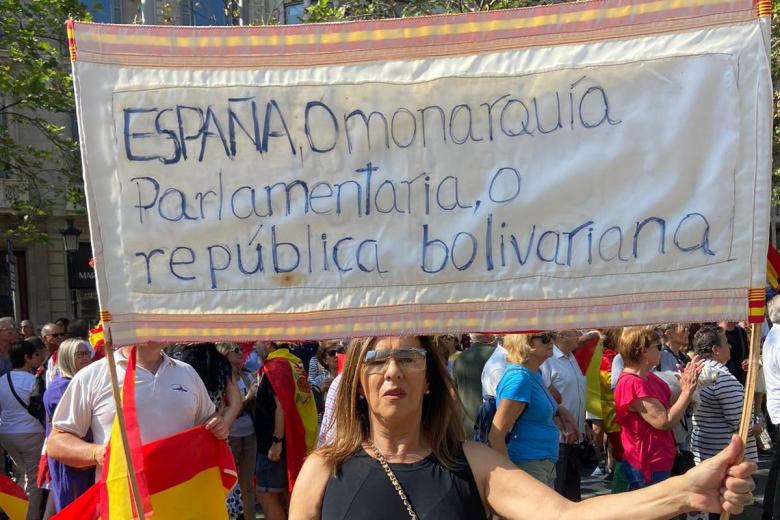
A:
x,y
13,391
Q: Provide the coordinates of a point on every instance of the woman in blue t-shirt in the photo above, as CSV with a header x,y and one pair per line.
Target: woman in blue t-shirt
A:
x,y
525,425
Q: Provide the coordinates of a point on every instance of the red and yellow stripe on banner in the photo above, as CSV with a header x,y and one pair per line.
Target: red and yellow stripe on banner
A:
x,y
764,7
13,500
773,268
309,45
756,305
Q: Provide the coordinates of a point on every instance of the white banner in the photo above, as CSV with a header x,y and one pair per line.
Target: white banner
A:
x,y
576,178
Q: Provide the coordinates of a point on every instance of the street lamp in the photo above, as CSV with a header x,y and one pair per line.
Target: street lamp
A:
x,y
70,237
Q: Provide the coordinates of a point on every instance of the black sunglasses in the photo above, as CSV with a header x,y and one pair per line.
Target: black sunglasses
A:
x,y
544,338
333,352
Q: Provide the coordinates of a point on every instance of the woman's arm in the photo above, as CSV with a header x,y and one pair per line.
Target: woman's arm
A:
x,y
507,414
514,495
275,451
306,500
656,414
234,403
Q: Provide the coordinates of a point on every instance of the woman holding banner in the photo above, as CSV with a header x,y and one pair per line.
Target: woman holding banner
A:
x,y
400,452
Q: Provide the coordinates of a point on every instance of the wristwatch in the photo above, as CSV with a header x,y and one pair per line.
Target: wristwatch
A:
x,y
276,439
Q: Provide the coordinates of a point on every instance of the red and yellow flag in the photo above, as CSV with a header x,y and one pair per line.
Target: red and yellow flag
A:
x,y
773,268
13,500
189,476
116,498
97,339
288,380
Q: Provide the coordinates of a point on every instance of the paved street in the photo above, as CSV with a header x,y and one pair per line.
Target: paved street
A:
x,y
592,486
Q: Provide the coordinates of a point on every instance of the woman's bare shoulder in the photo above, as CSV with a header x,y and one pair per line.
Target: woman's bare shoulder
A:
x,y
306,500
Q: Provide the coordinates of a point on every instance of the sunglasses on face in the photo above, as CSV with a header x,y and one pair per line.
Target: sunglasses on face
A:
x,y
56,335
545,338
333,352
408,359
83,353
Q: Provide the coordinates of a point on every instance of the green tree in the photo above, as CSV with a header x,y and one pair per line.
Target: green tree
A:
x,y
35,83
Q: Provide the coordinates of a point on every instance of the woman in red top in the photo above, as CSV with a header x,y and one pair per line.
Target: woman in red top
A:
x,y
644,409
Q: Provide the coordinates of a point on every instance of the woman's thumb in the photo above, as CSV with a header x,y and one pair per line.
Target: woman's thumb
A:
x,y
731,453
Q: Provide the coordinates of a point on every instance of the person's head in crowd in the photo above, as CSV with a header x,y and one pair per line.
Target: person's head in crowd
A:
x,y
52,335
38,343
327,354
446,345
234,355
640,347
391,381
773,310
727,325
567,340
211,366
710,343
63,322
611,337
73,355
24,355
26,329
78,329
8,334
478,338
528,349
675,335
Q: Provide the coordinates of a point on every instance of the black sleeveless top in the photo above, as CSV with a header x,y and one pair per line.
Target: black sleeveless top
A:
x,y
362,491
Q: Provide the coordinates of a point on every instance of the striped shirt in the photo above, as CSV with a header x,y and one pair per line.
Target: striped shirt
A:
x,y
717,416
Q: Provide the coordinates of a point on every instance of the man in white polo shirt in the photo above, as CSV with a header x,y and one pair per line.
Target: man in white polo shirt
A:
x,y
170,398
566,382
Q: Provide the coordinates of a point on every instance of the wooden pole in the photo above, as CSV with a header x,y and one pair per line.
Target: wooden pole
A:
x,y
750,390
109,347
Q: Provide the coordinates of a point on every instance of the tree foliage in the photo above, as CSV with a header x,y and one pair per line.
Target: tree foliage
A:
x,y
35,82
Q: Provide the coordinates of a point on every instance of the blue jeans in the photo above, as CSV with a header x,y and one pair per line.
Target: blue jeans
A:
x,y
636,479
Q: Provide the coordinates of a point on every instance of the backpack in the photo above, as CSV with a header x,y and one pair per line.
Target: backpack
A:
x,y
487,410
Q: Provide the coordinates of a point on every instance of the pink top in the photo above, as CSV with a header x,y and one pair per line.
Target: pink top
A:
x,y
646,448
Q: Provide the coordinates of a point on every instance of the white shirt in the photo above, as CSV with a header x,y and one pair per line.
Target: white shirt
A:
x,y
771,364
493,371
172,400
14,418
51,370
563,372
617,369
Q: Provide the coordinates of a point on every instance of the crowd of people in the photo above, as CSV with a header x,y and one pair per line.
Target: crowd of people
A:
x,y
413,426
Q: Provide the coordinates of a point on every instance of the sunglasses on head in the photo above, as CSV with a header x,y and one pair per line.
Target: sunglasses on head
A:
x,y
545,338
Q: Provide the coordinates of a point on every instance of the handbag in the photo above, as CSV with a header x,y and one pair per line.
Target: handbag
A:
x,y
35,407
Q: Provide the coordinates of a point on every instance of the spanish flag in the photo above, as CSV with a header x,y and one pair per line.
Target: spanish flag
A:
x,y
189,476
773,268
98,341
596,363
13,500
115,495
285,372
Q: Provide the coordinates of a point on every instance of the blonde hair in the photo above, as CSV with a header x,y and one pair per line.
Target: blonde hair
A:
x,y
518,347
441,414
634,341
66,356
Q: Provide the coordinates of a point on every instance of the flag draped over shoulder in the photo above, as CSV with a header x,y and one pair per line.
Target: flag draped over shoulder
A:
x,y
596,363
98,341
288,380
185,476
189,475
13,500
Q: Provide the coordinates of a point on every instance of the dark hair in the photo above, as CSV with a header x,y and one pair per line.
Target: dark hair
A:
x,y
36,342
78,329
212,367
19,353
706,338
62,322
